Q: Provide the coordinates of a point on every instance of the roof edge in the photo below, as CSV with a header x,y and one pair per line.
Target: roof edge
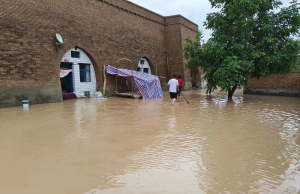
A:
x,y
143,8
179,15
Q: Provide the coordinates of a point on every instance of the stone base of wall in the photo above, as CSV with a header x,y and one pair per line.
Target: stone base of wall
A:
x,y
198,85
110,90
164,86
13,96
273,92
187,86
203,85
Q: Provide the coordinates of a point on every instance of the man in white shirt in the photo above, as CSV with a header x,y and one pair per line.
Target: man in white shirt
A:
x,y
173,88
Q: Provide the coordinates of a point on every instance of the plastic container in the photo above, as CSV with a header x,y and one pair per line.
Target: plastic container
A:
x,y
25,103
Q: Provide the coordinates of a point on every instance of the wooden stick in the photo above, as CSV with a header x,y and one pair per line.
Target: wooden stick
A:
x,y
132,80
116,83
124,59
104,84
131,73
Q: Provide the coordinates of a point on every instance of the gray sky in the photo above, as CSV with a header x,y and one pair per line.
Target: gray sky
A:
x,y
194,10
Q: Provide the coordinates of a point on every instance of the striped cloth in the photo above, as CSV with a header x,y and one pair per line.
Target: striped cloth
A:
x,y
148,85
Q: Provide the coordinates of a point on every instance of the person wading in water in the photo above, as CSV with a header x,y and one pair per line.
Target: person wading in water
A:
x,y
209,87
180,85
173,88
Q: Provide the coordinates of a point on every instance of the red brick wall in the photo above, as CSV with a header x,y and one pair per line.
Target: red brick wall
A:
x,y
177,30
192,77
174,51
105,29
286,82
107,33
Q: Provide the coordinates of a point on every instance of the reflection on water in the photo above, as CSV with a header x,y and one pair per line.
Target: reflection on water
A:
x,y
250,144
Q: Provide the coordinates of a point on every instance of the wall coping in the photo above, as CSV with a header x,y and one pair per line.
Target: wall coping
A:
x,y
151,12
178,15
182,21
142,8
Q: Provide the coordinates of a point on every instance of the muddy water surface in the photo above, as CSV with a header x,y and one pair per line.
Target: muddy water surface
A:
x,y
248,145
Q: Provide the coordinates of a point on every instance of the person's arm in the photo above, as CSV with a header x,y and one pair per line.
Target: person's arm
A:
x,y
177,86
168,83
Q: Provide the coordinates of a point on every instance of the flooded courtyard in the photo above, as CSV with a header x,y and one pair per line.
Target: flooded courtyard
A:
x,y
250,144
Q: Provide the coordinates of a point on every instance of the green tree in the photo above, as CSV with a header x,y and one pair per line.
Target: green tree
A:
x,y
250,38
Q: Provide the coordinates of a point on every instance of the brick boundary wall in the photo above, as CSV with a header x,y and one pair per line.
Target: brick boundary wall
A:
x,y
277,85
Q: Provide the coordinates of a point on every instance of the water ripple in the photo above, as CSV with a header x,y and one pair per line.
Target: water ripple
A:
x,y
250,144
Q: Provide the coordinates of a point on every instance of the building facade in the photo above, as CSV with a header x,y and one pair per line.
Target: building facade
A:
x,y
101,31
82,78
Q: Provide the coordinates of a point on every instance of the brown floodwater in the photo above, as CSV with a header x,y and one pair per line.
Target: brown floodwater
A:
x,y
250,144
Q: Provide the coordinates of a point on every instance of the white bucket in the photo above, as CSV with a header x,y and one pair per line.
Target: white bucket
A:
x,y
25,103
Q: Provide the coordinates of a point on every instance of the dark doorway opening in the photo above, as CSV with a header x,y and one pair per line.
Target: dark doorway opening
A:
x,y
67,82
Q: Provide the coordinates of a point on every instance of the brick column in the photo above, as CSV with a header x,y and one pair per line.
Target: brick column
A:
x,y
76,79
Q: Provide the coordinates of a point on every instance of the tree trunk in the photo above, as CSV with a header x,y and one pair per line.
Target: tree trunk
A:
x,y
230,92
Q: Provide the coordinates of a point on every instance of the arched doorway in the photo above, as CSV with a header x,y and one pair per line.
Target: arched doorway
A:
x,y
77,74
144,66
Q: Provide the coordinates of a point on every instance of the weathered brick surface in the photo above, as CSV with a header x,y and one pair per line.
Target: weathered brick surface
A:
x,y
177,30
288,82
174,50
105,29
192,77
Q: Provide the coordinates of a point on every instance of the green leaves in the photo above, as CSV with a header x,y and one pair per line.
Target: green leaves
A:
x,y
249,39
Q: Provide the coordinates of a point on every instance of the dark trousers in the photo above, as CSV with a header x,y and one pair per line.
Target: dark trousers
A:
x,y
179,90
208,91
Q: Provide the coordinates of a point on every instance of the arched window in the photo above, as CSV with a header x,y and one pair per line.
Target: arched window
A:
x,y
81,78
144,66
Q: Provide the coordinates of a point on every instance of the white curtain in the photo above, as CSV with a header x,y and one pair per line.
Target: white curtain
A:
x,y
64,72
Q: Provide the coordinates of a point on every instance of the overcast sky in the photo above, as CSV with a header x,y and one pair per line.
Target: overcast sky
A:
x,y
194,10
